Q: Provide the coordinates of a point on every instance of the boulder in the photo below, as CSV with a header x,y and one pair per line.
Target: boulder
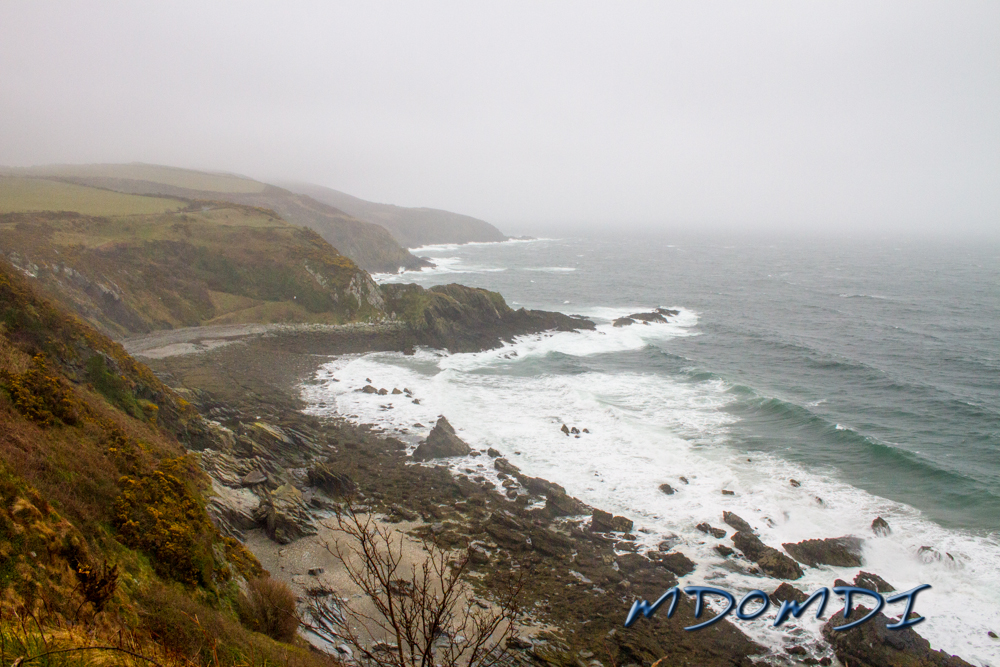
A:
x,y
253,478
667,489
493,453
368,389
604,522
872,582
771,561
872,644
623,322
550,543
323,477
794,482
505,466
786,592
396,391
647,317
881,527
717,533
560,504
838,551
441,443
675,562
565,429
723,550
736,522
284,515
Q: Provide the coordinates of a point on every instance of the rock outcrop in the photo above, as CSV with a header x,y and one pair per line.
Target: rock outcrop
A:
x,y
770,560
604,522
736,522
838,551
284,515
881,527
441,443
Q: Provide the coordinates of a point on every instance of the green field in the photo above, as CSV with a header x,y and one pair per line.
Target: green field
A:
x,y
180,178
20,194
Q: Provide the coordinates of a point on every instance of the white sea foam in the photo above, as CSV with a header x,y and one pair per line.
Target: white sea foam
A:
x,y
649,428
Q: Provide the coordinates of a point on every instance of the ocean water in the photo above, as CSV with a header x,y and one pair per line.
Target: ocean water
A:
x,y
868,372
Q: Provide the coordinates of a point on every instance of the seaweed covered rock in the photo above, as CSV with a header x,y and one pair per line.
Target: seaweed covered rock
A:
x,y
441,443
839,551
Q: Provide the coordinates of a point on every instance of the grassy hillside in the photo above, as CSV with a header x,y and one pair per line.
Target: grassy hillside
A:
x,y
369,245
21,194
209,263
412,227
106,550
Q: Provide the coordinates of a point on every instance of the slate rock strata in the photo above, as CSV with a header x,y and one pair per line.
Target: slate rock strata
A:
x,y
837,551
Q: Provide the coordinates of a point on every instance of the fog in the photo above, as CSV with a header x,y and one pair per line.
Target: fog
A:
x,y
821,117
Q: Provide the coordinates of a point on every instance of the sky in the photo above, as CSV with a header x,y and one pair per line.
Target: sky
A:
x,y
858,117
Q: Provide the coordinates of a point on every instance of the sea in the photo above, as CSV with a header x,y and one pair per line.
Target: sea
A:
x,y
866,371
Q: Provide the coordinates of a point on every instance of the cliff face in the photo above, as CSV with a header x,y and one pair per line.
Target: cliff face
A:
x,y
411,227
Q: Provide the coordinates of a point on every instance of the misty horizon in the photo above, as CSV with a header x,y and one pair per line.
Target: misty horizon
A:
x,y
766,120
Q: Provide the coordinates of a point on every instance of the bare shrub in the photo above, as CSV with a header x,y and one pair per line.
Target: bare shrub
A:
x,y
268,607
425,611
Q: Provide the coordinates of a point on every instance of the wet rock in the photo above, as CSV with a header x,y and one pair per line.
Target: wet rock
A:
x,y
560,504
928,555
284,515
623,322
647,317
368,389
717,533
604,522
771,561
872,582
683,479
493,453
550,543
871,644
331,482
795,650
565,429
383,392
991,634
441,443
881,527
403,513
667,312
838,551
727,492
723,550
507,537
667,489
505,466
786,592
794,482
575,431
668,543
675,562
736,522
396,391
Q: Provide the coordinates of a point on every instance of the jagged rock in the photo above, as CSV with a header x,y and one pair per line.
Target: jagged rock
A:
x,y
396,391
604,522
505,466
623,322
383,392
284,516
675,562
717,533
507,537
736,522
368,389
647,317
232,510
230,471
550,543
669,312
839,551
723,550
794,482
872,582
441,443
727,492
253,478
333,483
786,592
871,644
881,527
667,489
565,429
282,442
561,504
575,431
493,453
683,479
770,560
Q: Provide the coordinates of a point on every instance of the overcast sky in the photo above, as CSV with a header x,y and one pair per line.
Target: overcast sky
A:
x,y
827,116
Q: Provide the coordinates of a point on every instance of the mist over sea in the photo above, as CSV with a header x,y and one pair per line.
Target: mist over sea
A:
x,y
867,372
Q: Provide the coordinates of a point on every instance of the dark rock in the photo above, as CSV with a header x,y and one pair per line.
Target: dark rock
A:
x,y
795,483
396,391
623,322
795,650
683,479
675,562
383,392
254,478
991,634
560,504
565,429
493,453
667,489
603,522
441,443
838,551
316,571
736,522
872,582
840,582
723,550
669,543
586,431
331,482
574,431
881,527
771,561
506,537
518,643
717,533
284,515
404,514
727,492
871,644
368,389
550,543
786,592
669,312
503,465
647,317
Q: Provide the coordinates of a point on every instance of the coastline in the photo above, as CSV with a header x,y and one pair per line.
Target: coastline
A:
x,y
583,582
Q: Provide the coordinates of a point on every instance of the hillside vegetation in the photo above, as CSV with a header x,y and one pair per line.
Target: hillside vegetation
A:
x,y
411,227
22,194
369,245
107,554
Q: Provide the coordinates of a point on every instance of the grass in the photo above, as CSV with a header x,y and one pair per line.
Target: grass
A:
x,y
19,194
181,178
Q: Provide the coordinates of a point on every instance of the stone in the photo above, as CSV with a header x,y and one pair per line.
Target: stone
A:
x,y
323,477
795,650
837,551
623,322
881,527
383,392
723,550
872,644
396,391
493,453
675,562
727,492
667,489
794,482
683,479
736,522
717,533
872,582
441,443
253,478
368,389
518,643
991,634
284,515
565,429
771,561
505,466
604,522
786,593
316,571
562,504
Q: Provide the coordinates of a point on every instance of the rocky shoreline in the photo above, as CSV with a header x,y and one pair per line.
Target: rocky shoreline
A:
x,y
277,473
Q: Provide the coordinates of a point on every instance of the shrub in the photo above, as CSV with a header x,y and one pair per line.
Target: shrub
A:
x,y
41,396
268,607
